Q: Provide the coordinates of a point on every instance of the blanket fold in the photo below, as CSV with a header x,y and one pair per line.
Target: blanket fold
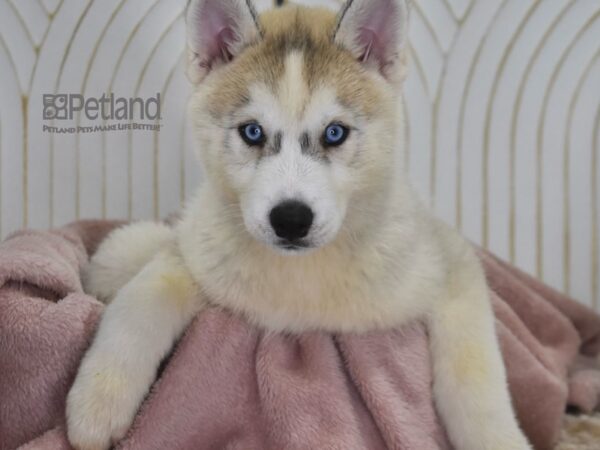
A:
x,y
231,385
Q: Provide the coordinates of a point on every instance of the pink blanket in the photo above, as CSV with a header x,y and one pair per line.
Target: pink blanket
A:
x,y
230,385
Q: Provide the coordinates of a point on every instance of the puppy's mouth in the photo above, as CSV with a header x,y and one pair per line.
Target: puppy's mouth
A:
x,y
293,246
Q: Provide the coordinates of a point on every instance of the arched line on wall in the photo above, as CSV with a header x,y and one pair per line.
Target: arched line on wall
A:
x,y
567,152
84,85
413,58
110,87
166,31
457,18
566,161
488,119
436,109
16,75
417,8
22,23
515,116
459,138
25,103
65,56
166,87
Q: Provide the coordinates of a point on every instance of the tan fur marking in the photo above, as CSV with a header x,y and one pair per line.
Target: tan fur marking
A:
x,y
292,87
289,30
471,365
178,286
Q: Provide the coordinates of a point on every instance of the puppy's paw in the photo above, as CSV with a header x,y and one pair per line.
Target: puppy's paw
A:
x,y
100,409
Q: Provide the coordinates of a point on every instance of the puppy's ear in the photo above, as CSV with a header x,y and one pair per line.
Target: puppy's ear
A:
x,y
217,31
375,32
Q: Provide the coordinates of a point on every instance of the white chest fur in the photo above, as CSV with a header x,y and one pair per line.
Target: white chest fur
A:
x,y
347,286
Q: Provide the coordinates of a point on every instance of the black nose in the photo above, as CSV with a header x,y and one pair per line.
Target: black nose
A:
x,y
291,220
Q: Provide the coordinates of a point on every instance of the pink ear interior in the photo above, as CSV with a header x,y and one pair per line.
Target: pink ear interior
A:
x,y
378,29
215,26
214,29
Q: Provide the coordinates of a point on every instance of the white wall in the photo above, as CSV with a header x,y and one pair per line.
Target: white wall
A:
x,y
503,105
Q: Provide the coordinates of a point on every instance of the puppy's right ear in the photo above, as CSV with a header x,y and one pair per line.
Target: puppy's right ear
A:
x,y
374,31
217,31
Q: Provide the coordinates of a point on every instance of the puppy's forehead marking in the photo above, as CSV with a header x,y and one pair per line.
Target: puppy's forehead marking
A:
x,y
293,130
293,90
294,58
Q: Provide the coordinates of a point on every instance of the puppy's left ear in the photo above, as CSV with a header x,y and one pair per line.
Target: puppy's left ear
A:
x,y
217,31
375,31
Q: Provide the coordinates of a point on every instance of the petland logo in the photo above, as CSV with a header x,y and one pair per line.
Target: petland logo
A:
x,y
106,108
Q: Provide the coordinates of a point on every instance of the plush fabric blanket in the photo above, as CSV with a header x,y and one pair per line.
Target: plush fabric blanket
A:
x,y
231,385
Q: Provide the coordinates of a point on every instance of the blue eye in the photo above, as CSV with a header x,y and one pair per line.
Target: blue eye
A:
x,y
252,134
335,135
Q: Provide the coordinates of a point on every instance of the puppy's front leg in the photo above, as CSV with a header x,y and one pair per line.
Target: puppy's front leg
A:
x,y
137,330
470,385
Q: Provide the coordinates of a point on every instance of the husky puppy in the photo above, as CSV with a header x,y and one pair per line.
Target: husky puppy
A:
x,y
304,221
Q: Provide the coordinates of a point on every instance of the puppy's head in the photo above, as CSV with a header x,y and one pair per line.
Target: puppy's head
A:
x,y
296,113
